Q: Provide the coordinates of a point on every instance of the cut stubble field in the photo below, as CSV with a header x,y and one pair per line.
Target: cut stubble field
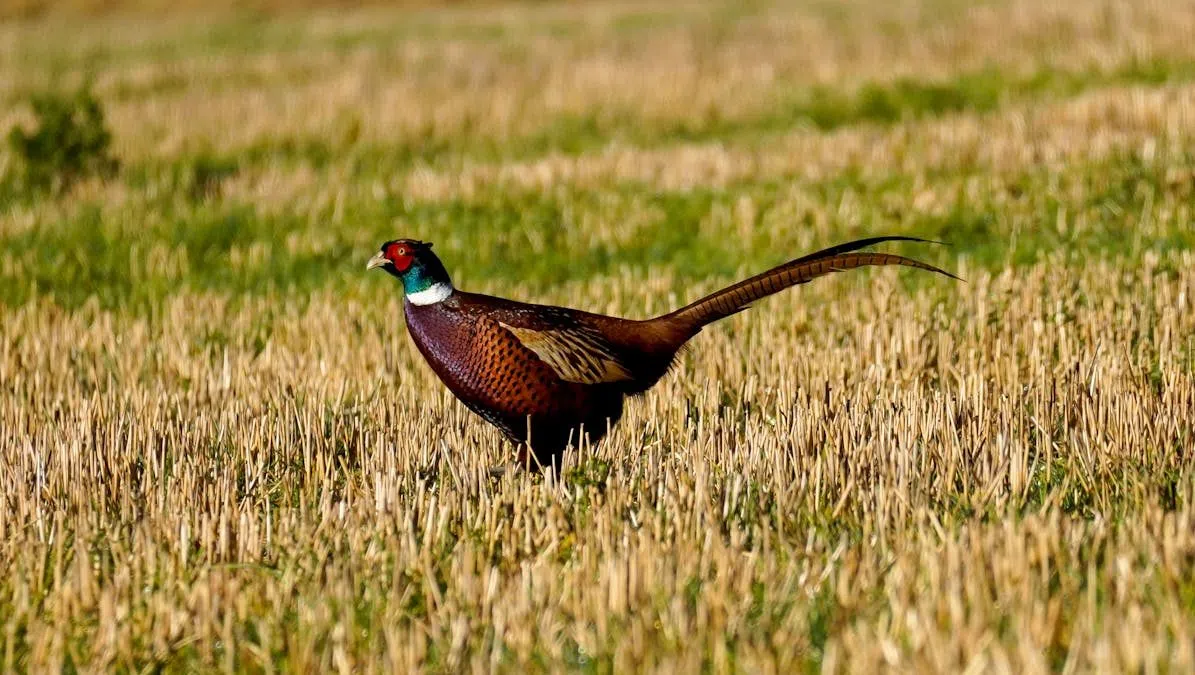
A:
x,y
212,421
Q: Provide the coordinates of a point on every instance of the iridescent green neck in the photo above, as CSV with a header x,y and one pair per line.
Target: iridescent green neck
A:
x,y
426,282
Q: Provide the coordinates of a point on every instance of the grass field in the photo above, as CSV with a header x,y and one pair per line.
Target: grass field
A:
x,y
211,416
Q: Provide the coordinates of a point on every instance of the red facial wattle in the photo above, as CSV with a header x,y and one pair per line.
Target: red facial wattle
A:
x,y
401,257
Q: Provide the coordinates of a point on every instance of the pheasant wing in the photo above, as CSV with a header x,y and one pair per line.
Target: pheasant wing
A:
x,y
576,353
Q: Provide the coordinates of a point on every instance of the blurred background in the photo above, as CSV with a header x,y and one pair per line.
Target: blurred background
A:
x,y
590,135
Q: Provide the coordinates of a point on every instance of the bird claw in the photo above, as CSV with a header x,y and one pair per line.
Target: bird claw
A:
x,y
499,470
429,473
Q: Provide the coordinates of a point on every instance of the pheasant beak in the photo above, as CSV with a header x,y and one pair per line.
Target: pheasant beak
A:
x,y
378,260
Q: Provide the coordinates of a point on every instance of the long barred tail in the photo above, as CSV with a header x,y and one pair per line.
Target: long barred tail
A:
x,y
736,298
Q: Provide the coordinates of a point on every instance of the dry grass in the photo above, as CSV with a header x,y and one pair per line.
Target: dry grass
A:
x,y
430,76
211,419
90,9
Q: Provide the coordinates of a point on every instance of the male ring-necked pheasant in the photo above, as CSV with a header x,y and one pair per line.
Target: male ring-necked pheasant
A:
x,y
544,374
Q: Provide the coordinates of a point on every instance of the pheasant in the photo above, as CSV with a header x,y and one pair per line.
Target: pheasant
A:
x,y
545,375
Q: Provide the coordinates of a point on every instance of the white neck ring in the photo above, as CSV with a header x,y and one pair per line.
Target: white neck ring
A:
x,y
437,292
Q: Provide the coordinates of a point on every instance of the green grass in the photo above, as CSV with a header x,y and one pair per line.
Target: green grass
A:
x,y
1120,208
821,107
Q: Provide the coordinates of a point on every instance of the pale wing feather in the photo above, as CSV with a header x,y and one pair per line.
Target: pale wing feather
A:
x,y
576,354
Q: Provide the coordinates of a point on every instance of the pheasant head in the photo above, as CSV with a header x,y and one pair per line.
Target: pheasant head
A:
x,y
424,279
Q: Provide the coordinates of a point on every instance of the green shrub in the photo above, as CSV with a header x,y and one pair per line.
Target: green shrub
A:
x,y
71,141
